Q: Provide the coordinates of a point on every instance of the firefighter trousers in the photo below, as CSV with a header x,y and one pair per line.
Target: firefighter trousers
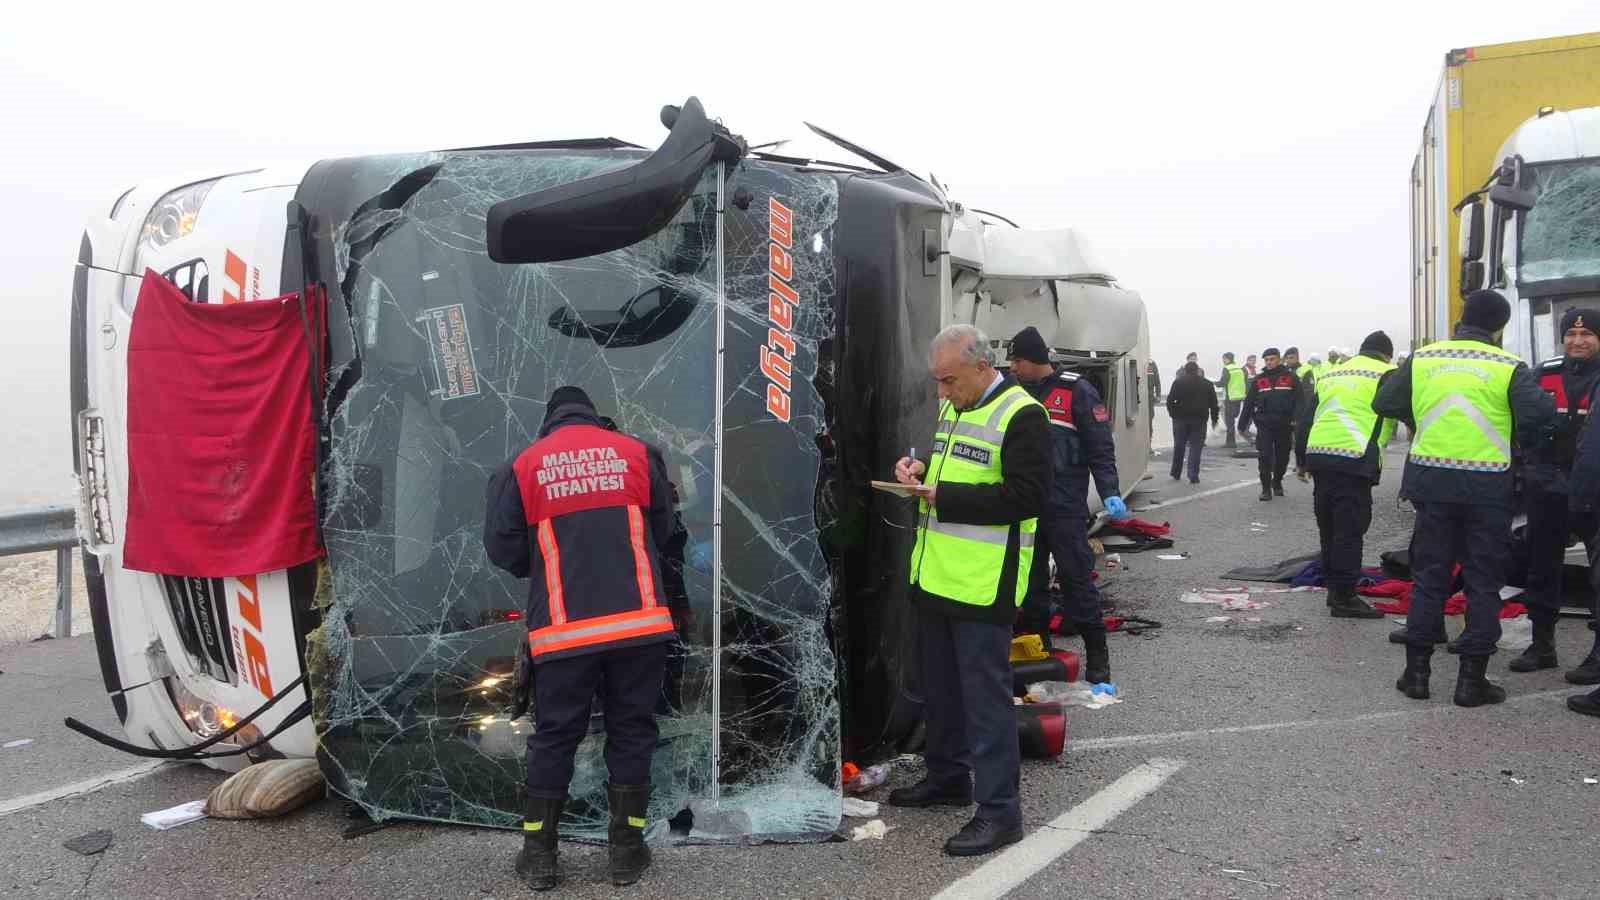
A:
x,y
628,681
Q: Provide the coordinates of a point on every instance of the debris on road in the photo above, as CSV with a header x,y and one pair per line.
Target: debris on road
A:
x,y
266,789
874,830
1096,696
12,745
856,808
1229,600
182,814
1515,633
89,844
1172,556
868,778
1591,781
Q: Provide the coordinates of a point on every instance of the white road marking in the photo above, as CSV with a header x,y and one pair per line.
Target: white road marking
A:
x,y
1172,737
1023,860
1164,504
77,788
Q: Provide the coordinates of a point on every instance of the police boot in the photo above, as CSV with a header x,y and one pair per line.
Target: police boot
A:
x,y
1588,704
1277,487
1097,659
1266,489
1344,604
630,855
1413,682
1472,689
1588,671
1541,654
537,861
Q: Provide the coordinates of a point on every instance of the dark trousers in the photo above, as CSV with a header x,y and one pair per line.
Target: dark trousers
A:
x,y
1550,523
1230,410
1188,439
1274,442
1064,535
628,681
1477,537
1343,503
965,673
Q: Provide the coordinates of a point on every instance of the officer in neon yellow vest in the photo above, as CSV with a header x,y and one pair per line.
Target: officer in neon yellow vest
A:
x,y
1467,401
1234,388
979,495
1340,441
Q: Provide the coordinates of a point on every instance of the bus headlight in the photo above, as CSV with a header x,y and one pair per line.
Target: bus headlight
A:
x,y
175,214
207,719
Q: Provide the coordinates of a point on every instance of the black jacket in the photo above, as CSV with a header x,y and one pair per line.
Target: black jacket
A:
x,y
1080,429
585,561
1192,399
1025,461
1570,382
1272,398
1532,416
1369,466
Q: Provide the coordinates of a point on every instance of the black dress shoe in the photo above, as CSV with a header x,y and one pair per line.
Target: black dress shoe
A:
x,y
929,793
982,836
1588,704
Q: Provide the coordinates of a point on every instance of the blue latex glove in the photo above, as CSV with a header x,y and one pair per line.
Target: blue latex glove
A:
x,y
1115,508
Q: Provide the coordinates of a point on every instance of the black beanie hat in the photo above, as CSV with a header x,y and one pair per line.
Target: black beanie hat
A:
x,y
1270,351
1579,317
1377,342
1486,310
567,395
1295,351
1029,345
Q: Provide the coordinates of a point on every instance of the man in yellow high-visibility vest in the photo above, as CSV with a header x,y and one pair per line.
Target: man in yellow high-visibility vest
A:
x,y
1340,441
1468,400
1233,384
981,491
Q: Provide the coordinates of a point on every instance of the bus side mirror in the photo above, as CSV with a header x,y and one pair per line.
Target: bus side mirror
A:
x,y
614,209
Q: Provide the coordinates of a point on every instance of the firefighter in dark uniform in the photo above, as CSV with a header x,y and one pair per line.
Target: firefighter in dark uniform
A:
x,y
1340,441
581,513
1569,380
1083,448
1272,401
1467,399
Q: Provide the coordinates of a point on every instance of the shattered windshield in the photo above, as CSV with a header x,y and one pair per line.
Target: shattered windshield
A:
x,y
1561,234
442,361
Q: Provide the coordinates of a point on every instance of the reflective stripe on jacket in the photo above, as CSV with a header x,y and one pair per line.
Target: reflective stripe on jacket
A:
x,y
1345,424
1460,403
962,562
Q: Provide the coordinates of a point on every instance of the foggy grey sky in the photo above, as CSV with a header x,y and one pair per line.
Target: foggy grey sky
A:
x,y
1243,166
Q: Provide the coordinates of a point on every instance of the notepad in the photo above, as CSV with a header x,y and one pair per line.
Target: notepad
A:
x,y
896,488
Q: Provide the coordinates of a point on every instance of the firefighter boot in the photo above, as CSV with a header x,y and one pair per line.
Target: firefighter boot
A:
x,y
1344,604
1472,689
1541,654
1097,659
630,855
537,861
1413,681
1588,671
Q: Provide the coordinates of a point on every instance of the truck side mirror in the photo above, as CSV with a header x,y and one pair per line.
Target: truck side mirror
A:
x,y
1472,231
614,209
1507,190
1471,276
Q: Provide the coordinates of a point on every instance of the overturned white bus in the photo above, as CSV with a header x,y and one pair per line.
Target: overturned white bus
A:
x,y
762,319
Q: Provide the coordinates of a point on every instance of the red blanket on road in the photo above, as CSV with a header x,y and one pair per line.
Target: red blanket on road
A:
x,y
220,434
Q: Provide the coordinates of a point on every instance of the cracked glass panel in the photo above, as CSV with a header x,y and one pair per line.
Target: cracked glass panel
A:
x,y
1561,234
441,363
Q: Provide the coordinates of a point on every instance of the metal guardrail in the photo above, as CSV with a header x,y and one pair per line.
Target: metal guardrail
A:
x,y
40,528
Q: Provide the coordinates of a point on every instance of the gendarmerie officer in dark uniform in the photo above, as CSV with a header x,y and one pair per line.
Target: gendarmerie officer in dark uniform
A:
x,y
582,513
1083,449
1271,403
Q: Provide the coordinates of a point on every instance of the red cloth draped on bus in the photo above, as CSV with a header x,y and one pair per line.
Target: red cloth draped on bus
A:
x,y
221,444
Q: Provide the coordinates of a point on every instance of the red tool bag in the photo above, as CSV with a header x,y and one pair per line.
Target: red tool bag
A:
x,y
1041,730
1060,665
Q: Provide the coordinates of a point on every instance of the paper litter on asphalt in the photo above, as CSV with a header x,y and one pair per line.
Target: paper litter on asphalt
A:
x,y
1591,781
182,814
1231,600
856,808
12,745
874,830
1172,556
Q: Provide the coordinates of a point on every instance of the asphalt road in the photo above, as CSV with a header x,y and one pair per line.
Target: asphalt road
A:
x,y
1249,758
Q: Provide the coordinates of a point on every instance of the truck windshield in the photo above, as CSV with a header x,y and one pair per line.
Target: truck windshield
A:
x,y
1561,234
